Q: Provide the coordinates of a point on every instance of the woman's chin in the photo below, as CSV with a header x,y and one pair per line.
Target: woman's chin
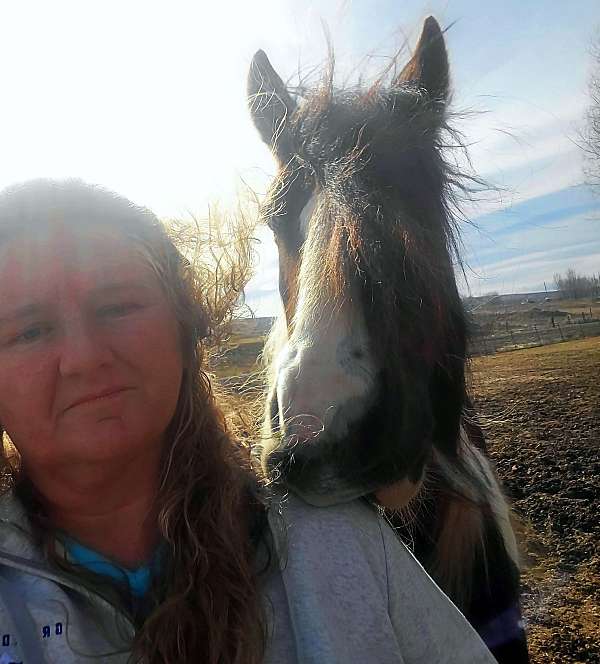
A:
x,y
108,439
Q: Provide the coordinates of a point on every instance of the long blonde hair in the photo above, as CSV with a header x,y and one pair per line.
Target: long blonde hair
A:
x,y
211,513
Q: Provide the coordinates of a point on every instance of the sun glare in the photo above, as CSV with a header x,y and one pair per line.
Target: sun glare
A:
x,y
149,98
145,98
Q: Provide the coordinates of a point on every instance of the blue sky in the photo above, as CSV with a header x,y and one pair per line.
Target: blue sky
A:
x,y
520,70
148,98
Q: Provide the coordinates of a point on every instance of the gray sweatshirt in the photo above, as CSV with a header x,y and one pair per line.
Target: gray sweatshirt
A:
x,y
345,591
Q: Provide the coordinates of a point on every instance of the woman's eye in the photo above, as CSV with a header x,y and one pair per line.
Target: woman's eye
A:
x,y
31,334
118,310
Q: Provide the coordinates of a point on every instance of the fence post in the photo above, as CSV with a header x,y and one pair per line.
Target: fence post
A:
x,y
539,335
560,330
512,336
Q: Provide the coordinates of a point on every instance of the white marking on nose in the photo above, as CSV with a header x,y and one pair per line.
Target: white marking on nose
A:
x,y
325,376
326,371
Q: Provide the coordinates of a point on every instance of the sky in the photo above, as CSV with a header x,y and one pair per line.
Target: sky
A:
x,y
148,99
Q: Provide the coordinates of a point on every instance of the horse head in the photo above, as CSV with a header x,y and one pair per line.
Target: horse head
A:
x,y
369,376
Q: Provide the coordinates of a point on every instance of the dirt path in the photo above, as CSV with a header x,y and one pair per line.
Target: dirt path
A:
x,y
541,410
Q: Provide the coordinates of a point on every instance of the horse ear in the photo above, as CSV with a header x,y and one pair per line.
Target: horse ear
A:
x,y
428,67
270,106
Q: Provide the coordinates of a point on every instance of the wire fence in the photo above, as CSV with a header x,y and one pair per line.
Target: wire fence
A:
x,y
533,336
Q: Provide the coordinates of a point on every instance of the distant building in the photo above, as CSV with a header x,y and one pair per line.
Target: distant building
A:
x,y
511,298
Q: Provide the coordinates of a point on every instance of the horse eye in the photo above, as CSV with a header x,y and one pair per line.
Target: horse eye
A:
x,y
272,212
274,221
287,199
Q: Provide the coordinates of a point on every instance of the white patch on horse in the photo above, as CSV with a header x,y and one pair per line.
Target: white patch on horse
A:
x,y
481,465
325,372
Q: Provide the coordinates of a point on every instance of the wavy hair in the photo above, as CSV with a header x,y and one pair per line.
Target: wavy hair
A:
x,y
211,512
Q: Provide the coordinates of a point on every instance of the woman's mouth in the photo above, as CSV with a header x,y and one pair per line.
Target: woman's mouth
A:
x,y
95,397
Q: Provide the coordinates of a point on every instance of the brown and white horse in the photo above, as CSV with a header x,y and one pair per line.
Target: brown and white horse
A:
x,y
367,392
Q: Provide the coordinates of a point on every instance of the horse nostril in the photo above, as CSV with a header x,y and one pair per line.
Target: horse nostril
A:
x,y
357,354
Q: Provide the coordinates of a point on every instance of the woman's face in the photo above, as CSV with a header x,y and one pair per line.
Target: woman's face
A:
x,y
90,360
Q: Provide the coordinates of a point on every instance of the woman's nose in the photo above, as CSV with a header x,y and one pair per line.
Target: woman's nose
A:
x,y
82,349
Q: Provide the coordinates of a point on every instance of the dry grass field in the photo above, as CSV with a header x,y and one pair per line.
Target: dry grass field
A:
x,y
540,408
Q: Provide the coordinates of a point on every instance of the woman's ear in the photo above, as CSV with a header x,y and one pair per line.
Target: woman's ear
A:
x,y
428,68
270,106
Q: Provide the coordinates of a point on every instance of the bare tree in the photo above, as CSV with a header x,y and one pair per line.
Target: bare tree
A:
x,y
573,285
591,133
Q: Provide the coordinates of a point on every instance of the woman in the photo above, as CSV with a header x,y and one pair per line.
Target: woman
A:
x,y
132,527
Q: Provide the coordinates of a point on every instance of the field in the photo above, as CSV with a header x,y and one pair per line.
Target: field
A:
x,y
540,408
500,327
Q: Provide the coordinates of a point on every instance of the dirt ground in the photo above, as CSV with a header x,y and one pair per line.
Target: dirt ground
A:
x,y
541,411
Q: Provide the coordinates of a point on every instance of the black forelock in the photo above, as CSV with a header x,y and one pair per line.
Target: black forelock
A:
x,y
389,136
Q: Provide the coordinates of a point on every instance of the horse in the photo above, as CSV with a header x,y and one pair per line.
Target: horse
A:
x,y
367,391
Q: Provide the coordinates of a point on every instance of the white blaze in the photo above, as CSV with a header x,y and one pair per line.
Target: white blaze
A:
x,y
325,371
